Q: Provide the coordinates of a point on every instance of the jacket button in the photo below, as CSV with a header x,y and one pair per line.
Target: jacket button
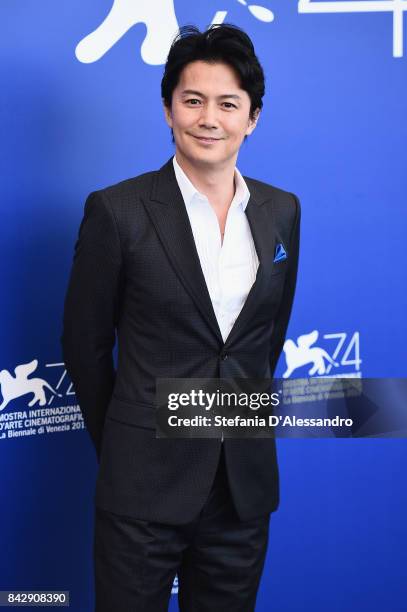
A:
x,y
224,356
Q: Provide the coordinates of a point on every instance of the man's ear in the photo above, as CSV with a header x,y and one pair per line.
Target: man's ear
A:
x,y
168,115
252,122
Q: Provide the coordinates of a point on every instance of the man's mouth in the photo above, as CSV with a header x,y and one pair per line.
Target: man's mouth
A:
x,y
206,138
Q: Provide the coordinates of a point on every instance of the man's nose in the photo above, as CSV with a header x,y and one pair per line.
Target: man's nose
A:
x,y
209,115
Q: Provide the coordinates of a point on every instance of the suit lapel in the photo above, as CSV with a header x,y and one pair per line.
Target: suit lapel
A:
x,y
263,232
167,212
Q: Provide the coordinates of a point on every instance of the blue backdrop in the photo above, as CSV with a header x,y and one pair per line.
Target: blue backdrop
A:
x,y
81,109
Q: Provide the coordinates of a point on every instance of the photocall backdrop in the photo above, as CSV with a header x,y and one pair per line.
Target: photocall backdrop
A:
x,y
82,110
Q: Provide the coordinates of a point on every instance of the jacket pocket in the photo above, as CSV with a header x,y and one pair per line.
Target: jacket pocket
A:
x,y
279,267
132,413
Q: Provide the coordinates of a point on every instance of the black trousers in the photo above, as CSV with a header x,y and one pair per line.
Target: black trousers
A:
x,y
218,558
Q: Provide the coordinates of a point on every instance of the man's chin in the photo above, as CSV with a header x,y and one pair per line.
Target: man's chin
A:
x,y
204,158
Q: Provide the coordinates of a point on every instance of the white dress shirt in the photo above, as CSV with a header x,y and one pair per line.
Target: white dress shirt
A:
x,y
230,267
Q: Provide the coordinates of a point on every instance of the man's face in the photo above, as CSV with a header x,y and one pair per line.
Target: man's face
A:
x,y
209,115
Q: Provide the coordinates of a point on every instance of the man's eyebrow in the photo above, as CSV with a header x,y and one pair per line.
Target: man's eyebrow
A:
x,y
198,93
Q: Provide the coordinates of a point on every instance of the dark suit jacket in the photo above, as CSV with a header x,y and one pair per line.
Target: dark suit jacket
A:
x,y
136,270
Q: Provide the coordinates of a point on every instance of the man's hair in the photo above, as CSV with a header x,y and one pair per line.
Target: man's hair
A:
x,y
224,43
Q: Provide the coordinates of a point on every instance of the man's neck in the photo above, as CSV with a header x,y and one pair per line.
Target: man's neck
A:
x,y
215,182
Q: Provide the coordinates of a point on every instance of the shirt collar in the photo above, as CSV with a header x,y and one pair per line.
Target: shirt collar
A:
x,y
189,191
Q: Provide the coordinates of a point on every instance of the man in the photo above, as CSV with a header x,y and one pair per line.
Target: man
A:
x,y
186,264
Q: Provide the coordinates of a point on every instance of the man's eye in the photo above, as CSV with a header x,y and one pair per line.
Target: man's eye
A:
x,y
192,101
230,105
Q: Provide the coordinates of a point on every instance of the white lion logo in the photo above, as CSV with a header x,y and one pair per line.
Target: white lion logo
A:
x,y
160,21
12,388
297,355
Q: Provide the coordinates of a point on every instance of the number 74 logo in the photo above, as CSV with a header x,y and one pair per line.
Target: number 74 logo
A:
x,y
303,352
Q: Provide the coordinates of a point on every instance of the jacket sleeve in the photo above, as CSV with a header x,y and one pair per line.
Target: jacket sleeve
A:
x,y
283,316
91,313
